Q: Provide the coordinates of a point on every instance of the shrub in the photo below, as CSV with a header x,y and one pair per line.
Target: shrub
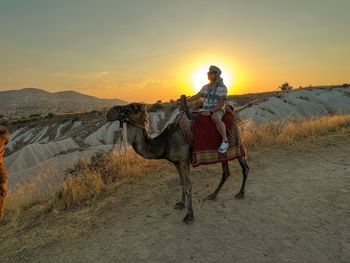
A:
x,y
50,115
156,107
285,86
34,115
291,130
88,178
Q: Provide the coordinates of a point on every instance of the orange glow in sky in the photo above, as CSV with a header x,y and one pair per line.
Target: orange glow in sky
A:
x,y
198,77
193,75
158,50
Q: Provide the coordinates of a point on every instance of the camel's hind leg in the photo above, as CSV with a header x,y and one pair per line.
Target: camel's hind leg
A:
x,y
225,175
245,171
181,204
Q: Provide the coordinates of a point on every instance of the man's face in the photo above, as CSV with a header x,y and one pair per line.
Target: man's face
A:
x,y
211,76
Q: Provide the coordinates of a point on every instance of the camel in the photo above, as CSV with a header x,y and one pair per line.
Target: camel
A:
x,y
171,145
4,139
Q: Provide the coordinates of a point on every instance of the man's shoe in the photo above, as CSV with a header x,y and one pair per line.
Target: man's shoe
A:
x,y
223,147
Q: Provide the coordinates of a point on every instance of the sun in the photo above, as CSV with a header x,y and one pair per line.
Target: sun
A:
x,y
199,77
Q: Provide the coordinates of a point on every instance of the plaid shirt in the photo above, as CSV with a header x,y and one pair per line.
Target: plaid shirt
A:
x,y
212,96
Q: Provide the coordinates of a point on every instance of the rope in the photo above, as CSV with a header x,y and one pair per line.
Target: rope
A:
x,y
122,151
122,145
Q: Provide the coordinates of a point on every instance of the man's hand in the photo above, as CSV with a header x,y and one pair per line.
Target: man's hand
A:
x,y
193,98
205,113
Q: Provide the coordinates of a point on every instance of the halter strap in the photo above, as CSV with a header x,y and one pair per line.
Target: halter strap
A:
x,y
134,123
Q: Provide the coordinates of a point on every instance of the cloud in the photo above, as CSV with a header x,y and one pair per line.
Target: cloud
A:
x,y
101,74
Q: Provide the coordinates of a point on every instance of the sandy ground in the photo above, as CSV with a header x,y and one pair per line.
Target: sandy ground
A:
x,y
296,210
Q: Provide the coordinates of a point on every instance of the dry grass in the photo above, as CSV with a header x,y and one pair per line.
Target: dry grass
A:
x,y
88,178
291,130
32,192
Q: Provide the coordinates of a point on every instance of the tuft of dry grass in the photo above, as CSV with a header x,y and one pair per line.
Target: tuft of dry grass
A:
x,y
291,130
33,190
88,178
79,188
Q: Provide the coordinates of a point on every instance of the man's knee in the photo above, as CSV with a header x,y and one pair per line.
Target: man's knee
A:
x,y
216,117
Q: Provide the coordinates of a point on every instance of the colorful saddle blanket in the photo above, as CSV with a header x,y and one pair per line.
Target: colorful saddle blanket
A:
x,y
205,139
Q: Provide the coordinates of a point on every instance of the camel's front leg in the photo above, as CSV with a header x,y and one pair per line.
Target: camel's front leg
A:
x,y
181,204
185,171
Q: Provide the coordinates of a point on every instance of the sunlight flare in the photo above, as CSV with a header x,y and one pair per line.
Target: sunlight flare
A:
x,y
199,77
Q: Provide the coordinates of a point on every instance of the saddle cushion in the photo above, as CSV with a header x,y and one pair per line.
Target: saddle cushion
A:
x,y
207,139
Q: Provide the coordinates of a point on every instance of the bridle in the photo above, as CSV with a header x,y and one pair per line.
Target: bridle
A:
x,y
122,146
128,121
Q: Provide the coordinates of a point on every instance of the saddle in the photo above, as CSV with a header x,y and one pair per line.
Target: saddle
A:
x,y
201,133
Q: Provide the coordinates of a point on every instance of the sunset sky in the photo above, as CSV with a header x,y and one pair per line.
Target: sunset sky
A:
x,y
145,50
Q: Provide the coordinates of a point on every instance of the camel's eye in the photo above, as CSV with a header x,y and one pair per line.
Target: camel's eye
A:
x,y
136,107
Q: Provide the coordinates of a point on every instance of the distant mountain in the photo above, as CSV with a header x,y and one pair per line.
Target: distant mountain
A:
x,y
29,101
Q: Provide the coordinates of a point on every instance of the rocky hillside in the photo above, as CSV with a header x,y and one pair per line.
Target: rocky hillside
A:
x,y
300,103
48,145
29,101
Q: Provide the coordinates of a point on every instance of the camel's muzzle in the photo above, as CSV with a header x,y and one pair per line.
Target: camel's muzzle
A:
x,y
114,114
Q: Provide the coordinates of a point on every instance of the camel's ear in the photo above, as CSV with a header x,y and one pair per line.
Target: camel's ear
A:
x,y
135,107
143,107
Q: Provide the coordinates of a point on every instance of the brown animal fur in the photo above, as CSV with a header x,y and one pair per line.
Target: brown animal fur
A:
x,y
4,139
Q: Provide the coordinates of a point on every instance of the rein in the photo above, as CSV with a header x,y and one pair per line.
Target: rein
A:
x,y
122,145
132,123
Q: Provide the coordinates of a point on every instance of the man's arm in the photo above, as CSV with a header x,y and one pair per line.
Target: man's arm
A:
x,y
194,98
222,93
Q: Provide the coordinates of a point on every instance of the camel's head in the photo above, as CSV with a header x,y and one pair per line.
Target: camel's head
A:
x,y
134,112
4,136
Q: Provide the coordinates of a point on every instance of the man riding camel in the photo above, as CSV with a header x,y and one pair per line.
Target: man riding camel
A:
x,y
215,95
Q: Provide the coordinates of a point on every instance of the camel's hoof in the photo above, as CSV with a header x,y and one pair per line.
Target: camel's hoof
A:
x,y
188,219
239,195
179,205
210,197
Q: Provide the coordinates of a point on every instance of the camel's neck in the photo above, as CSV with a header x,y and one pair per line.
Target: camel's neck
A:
x,y
144,144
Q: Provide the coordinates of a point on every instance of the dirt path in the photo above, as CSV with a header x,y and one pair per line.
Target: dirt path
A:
x,y
296,210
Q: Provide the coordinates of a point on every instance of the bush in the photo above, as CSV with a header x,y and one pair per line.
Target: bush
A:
x,y
156,107
291,130
34,115
285,86
88,178
50,115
